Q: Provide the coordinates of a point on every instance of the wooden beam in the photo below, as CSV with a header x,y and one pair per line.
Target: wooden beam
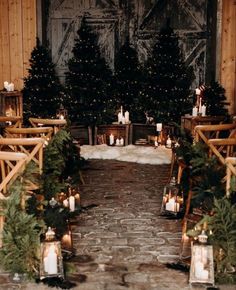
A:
x,y
228,52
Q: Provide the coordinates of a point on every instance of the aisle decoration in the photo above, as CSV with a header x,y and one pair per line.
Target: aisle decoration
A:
x,y
202,266
172,202
51,264
130,153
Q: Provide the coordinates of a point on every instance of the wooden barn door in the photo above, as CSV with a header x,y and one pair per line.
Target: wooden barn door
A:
x,y
113,20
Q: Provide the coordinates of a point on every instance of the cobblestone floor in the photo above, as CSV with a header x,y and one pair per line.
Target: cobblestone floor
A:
x,y
121,241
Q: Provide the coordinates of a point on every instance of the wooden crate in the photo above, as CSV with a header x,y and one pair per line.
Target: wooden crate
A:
x,y
82,134
188,123
141,131
118,130
11,103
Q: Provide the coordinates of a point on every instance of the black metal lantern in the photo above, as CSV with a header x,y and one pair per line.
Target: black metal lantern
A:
x,y
61,113
51,264
172,201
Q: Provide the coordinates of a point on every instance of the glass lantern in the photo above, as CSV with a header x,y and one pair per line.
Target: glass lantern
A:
x,y
51,264
202,265
61,113
67,240
172,202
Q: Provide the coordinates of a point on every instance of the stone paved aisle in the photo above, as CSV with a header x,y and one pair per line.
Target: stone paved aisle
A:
x,y
121,241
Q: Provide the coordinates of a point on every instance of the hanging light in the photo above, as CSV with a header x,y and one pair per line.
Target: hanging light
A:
x,y
51,264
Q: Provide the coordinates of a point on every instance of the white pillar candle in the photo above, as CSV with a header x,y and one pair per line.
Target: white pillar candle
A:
x,y
159,127
6,85
72,203
119,117
197,91
200,106
194,112
156,143
177,207
111,139
198,267
66,202
50,261
170,205
126,117
168,143
203,110
117,142
123,120
122,141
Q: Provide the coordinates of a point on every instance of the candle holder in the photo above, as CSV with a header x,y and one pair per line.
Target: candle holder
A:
x,y
61,112
67,241
202,265
51,262
172,201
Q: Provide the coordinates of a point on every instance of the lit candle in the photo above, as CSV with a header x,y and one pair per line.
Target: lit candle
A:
x,y
50,261
203,110
127,117
170,205
111,139
72,203
117,142
194,112
121,141
200,106
177,206
61,117
168,143
119,118
77,198
66,202
66,240
198,91
159,127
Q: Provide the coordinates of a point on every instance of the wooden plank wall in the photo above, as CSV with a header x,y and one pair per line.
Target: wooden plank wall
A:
x,y
228,52
17,39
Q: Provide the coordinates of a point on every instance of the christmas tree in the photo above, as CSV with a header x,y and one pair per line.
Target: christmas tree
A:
x,y
215,100
88,80
168,79
128,80
41,92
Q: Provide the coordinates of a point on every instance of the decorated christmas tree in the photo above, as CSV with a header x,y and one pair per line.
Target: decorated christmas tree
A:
x,y
128,82
215,100
88,80
41,92
168,79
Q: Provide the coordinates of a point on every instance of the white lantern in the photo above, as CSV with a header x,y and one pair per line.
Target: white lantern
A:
x,y
202,265
51,264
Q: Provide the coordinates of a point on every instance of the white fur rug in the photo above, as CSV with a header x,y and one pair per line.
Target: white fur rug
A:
x,y
130,153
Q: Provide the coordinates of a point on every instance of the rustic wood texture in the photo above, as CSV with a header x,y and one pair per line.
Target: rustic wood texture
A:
x,y
141,20
228,52
12,99
17,39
